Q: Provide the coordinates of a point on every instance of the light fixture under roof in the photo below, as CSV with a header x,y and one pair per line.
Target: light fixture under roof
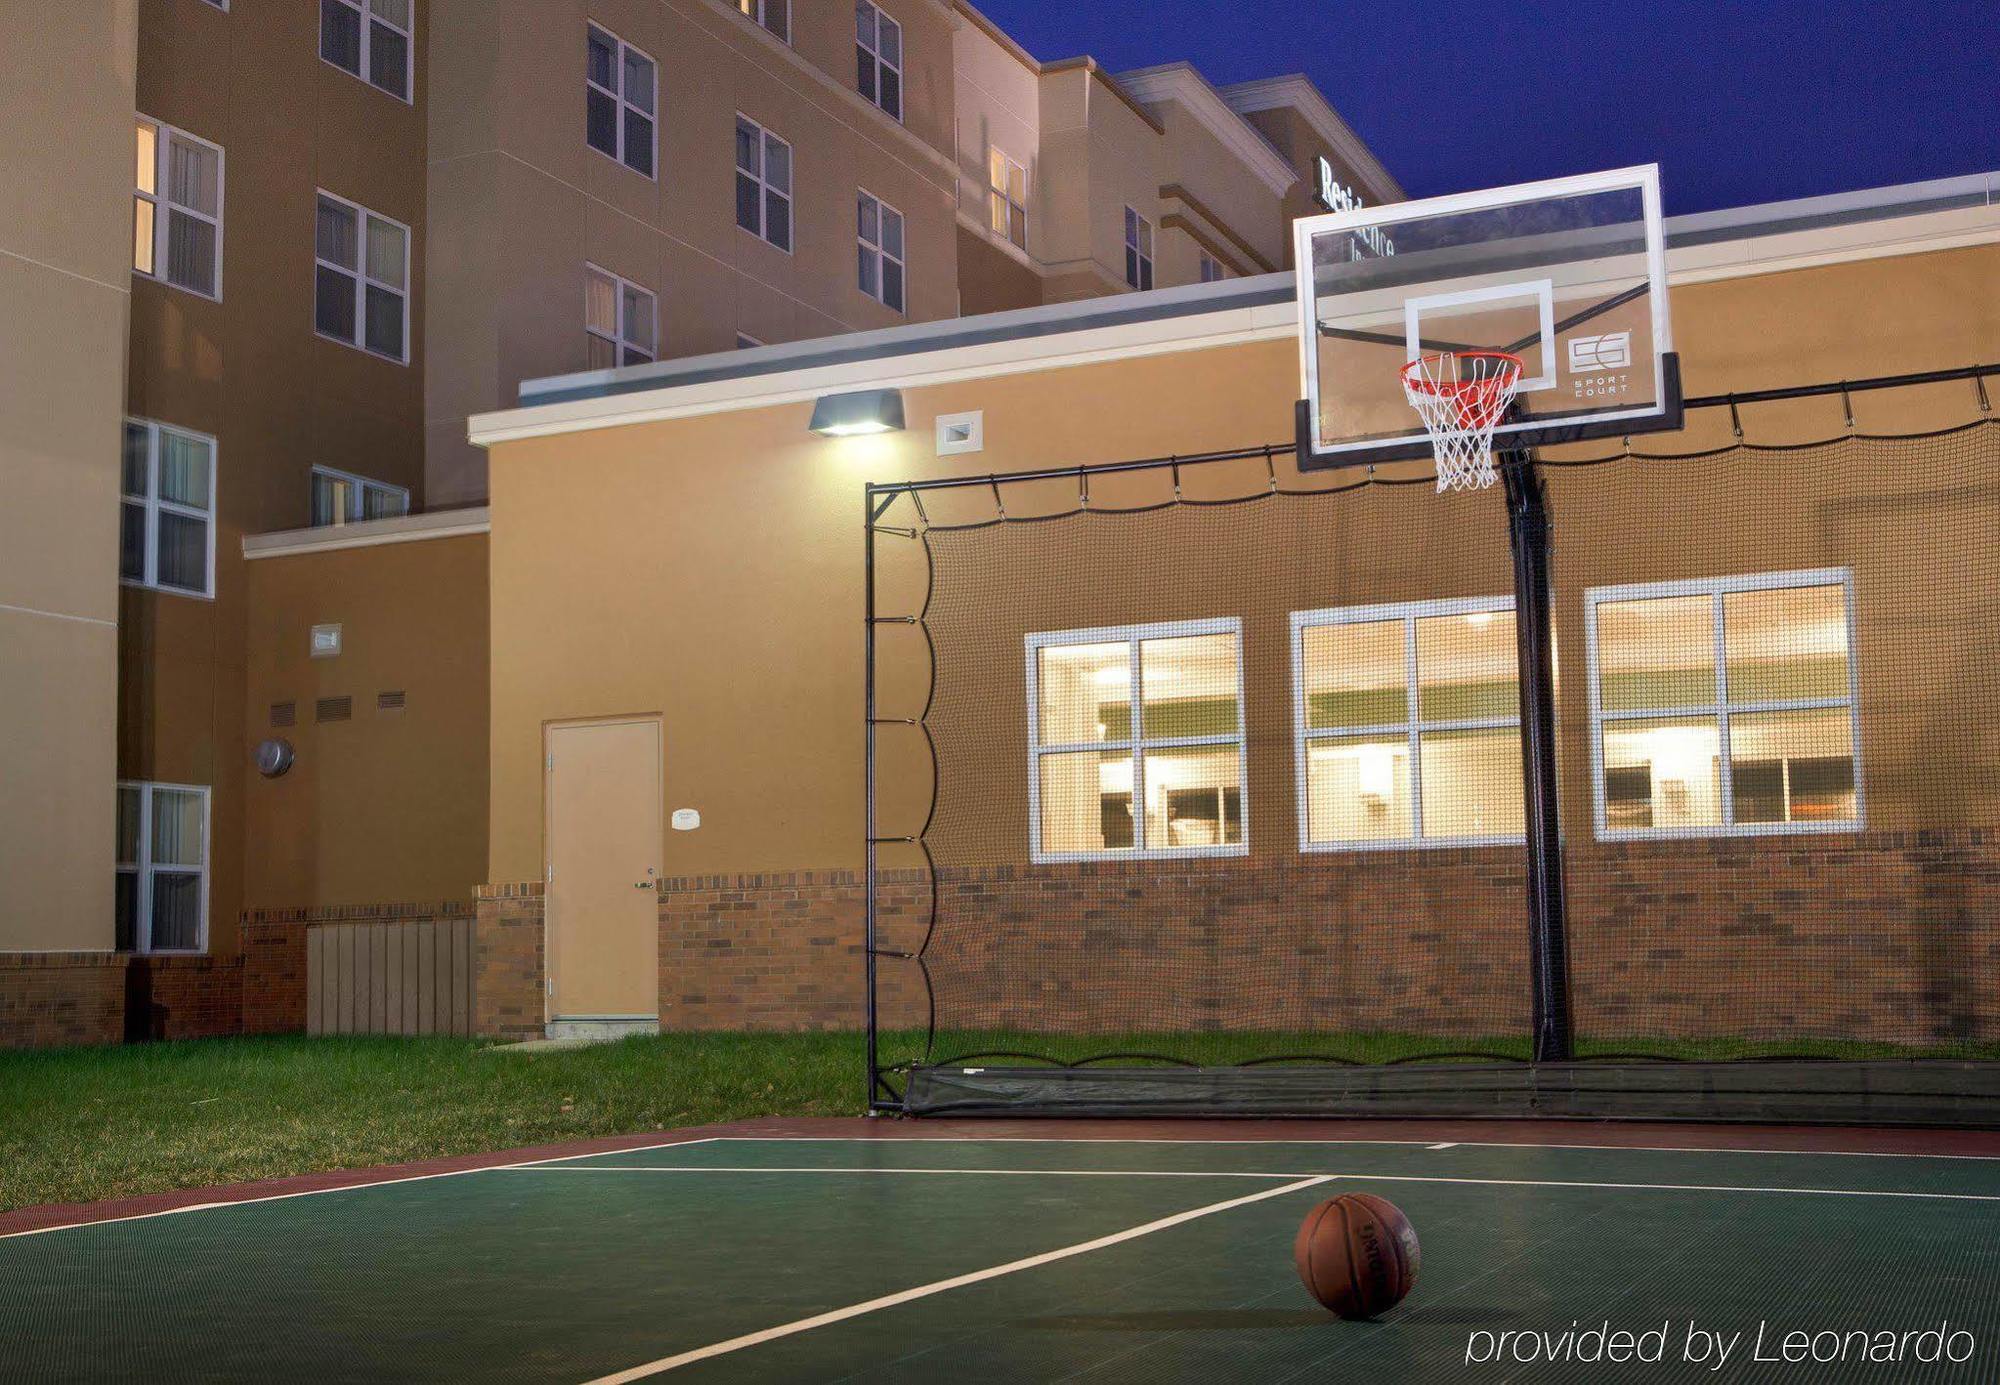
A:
x,y
864,411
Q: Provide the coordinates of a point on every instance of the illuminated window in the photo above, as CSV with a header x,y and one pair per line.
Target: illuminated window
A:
x,y
763,183
1007,197
177,209
1138,250
166,532
879,231
620,320
1408,725
371,39
878,58
161,897
620,94
1725,707
775,15
1136,741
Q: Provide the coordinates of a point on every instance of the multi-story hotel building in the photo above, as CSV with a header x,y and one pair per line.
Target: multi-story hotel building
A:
x,y
261,262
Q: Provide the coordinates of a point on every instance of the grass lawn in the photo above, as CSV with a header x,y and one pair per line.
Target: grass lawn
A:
x,y
82,1124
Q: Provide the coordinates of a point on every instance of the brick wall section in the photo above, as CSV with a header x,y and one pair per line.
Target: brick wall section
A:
x,y
274,955
508,964
169,997
49,998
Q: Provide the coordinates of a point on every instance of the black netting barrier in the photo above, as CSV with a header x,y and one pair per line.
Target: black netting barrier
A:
x,y
1199,787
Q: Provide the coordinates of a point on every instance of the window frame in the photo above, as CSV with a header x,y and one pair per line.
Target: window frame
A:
x,y
163,137
153,505
1139,263
867,53
1138,744
1209,269
362,280
766,188
369,19
621,102
1722,708
1000,196
758,12
144,868
619,343
1413,726
880,251
362,485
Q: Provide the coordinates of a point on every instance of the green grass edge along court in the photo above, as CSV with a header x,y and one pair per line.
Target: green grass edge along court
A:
x,y
83,1124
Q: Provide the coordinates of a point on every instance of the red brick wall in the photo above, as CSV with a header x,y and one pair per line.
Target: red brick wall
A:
x,y
274,971
170,997
49,998
507,962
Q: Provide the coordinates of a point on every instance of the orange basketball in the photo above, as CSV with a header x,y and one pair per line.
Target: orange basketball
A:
x,y
1357,1254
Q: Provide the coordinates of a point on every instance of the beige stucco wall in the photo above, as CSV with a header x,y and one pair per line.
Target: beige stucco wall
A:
x,y
710,568
1224,190
65,274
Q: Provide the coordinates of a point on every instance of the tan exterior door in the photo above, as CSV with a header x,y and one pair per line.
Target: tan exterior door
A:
x,y
604,806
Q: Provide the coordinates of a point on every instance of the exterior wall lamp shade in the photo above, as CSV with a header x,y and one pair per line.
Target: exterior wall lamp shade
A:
x,y
864,411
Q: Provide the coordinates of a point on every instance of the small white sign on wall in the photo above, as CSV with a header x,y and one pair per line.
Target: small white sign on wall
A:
x,y
686,819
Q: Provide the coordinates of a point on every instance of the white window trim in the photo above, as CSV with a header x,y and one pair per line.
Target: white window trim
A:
x,y
1202,267
1722,709
1006,196
1137,744
143,869
874,52
619,343
368,20
764,186
362,280
361,485
1142,257
620,100
149,581
163,136
881,253
758,13
1413,727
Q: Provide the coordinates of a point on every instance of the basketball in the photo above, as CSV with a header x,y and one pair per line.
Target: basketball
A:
x,y
1357,1254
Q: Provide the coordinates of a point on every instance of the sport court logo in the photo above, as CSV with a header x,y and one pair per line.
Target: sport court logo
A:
x,y
1611,351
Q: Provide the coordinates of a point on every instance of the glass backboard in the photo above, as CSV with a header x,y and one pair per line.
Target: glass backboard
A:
x,y
1568,274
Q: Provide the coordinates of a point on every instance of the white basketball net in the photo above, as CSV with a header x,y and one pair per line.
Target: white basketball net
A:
x,y
1461,397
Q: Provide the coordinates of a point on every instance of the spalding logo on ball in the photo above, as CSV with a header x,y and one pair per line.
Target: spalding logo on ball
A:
x,y
1357,1254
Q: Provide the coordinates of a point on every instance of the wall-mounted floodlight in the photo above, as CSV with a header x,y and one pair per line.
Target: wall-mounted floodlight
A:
x,y
864,411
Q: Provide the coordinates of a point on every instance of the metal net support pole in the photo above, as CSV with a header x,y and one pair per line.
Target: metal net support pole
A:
x,y
869,514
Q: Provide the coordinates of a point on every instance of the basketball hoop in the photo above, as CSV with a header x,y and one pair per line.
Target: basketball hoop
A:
x,y
1461,397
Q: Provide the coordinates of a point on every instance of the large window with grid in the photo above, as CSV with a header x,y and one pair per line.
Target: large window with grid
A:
x,y
161,902
361,278
879,231
621,96
177,209
620,320
775,15
1726,706
1007,197
1136,742
166,532
763,183
373,39
341,497
1407,725
878,58
1138,250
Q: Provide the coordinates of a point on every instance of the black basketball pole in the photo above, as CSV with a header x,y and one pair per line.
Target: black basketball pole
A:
x,y
1548,950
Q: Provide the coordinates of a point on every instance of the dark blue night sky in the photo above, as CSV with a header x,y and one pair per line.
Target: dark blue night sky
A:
x,y
1744,102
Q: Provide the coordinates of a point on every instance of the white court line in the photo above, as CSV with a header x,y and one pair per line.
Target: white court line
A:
x,y
855,1310
342,1188
821,1168
1448,1144
1467,1144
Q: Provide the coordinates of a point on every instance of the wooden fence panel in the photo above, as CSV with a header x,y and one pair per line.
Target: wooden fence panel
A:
x,y
406,976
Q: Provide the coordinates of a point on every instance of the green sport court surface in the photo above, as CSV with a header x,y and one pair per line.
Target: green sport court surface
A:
x,y
971,1257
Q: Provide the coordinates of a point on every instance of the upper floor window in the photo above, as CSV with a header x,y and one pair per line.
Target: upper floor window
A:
x,y
177,209
371,39
746,342
878,58
879,227
1725,706
620,320
1407,725
1138,250
775,15
763,183
220,4
1007,197
361,278
1135,741
1211,269
341,497
161,902
166,532
621,91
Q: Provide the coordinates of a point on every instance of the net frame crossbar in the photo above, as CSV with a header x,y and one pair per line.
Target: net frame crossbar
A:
x,y
881,498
